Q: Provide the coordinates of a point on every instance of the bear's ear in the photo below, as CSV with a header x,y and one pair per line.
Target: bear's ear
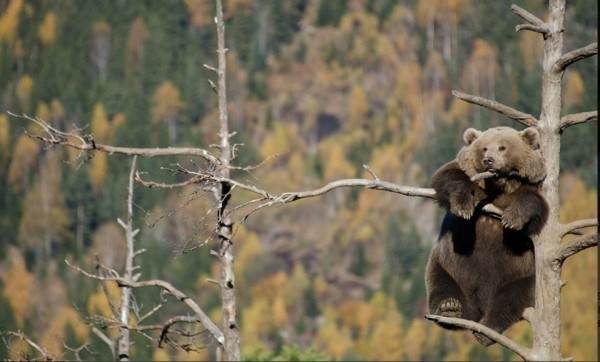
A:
x,y
531,136
471,135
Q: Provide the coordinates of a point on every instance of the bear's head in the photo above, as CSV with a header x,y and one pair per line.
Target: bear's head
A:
x,y
503,151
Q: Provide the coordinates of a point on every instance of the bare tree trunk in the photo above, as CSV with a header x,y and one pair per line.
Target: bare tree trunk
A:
x,y
230,329
546,317
124,340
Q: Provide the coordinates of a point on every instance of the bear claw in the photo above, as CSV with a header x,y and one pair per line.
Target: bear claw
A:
x,y
450,307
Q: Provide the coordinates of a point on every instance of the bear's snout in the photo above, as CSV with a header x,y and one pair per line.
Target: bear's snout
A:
x,y
488,163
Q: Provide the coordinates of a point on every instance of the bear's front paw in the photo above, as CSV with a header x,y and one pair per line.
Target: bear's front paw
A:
x,y
450,307
463,204
486,341
513,218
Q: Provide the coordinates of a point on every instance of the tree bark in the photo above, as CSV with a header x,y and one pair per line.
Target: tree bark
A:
x,y
231,332
546,316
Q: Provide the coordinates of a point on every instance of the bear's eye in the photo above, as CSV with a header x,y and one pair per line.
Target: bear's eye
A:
x,y
485,149
502,148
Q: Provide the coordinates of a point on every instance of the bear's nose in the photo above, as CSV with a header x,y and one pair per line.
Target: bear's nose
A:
x,y
488,162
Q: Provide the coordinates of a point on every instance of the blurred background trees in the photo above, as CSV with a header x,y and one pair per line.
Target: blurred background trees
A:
x,y
327,86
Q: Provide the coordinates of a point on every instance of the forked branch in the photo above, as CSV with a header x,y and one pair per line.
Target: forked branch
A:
x,y
569,228
574,246
534,23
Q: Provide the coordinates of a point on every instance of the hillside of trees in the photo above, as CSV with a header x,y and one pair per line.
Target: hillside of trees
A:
x,y
316,88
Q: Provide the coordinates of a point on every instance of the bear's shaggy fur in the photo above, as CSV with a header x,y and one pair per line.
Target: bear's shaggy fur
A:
x,y
482,268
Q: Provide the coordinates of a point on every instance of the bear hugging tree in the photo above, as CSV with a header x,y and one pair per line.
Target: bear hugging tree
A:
x,y
482,267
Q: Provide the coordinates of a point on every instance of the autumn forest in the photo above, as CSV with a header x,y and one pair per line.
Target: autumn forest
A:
x,y
316,89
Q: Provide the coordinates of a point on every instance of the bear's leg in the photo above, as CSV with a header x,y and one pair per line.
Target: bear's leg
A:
x,y
507,307
527,210
445,297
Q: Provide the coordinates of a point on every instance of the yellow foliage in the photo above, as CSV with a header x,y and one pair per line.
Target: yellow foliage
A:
x,y
574,89
167,102
47,29
298,284
160,354
335,340
45,220
99,124
98,170
531,48
579,303
282,139
138,32
57,110
18,349
23,91
200,12
19,287
459,110
4,139
97,303
336,166
115,123
200,354
387,338
9,20
358,108
24,157
415,339
54,336
43,111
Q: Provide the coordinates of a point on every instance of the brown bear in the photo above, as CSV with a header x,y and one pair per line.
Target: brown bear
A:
x,y
482,267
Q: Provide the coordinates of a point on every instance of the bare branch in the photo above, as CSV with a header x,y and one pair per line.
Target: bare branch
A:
x,y
169,288
161,185
525,353
574,246
538,29
565,229
573,56
483,175
51,135
535,23
104,339
45,353
524,118
577,118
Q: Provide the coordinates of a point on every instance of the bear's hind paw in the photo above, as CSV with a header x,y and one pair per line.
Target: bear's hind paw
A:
x,y
450,307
